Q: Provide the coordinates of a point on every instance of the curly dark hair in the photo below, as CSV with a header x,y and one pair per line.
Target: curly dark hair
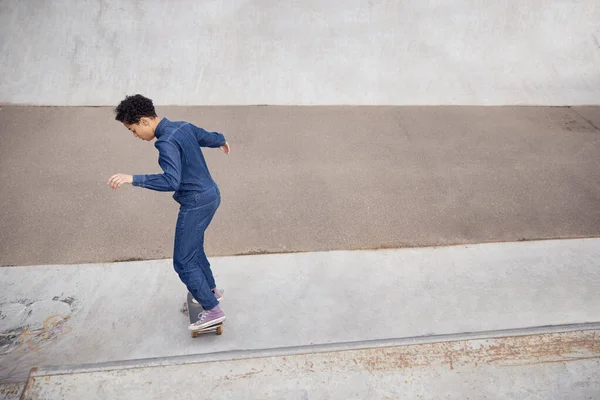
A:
x,y
133,108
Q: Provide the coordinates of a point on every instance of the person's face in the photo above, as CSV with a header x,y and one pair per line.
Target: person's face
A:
x,y
142,129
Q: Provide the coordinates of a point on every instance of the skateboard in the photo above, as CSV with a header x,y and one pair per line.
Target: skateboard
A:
x,y
194,309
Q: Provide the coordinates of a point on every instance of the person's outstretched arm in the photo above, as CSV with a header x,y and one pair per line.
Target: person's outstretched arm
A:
x,y
169,160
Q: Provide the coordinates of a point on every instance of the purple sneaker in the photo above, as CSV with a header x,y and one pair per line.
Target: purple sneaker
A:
x,y
208,318
217,292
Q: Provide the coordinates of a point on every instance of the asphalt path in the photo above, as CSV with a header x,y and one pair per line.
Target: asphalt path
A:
x,y
302,179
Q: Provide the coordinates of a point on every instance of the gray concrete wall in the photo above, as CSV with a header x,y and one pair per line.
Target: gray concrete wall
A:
x,y
188,52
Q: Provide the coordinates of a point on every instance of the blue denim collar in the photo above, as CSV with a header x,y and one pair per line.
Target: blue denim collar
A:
x,y
160,127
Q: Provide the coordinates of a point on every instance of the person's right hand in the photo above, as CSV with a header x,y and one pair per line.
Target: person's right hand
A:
x,y
117,180
225,148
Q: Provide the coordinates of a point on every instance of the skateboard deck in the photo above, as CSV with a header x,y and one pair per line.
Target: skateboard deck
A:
x,y
194,309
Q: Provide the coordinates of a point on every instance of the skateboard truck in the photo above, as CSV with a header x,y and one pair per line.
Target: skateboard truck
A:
x,y
218,329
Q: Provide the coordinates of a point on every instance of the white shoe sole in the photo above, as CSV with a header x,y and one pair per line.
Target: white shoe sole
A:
x,y
196,301
206,325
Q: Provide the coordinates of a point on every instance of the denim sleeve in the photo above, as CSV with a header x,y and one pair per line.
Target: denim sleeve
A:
x,y
208,139
169,159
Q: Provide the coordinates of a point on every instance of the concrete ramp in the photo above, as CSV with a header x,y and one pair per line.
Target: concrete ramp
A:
x,y
563,362
89,314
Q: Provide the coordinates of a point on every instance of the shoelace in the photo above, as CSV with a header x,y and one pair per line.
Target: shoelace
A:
x,y
202,316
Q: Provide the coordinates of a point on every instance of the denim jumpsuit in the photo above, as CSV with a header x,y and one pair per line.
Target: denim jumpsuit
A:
x,y
185,172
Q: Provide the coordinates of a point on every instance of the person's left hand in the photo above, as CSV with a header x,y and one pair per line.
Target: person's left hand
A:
x,y
117,180
225,148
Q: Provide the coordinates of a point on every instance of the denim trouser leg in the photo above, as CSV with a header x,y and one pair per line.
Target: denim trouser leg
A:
x,y
189,259
205,265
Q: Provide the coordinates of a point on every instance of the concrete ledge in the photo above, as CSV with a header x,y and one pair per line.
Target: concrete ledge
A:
x,y
309,349
544,366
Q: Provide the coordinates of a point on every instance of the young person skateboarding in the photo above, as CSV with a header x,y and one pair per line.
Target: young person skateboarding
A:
x,y
184,172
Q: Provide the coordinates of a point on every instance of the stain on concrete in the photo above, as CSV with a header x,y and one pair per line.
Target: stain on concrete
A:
x,y
66,300
25,302
30,325
35,339
591,123
8,340
11,391
127,259
507,352
576,123
184,309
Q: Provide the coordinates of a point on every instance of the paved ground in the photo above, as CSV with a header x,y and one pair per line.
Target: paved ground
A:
x,y
303,179
55,315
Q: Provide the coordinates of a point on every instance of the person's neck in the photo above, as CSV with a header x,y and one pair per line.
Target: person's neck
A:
x,y
154,123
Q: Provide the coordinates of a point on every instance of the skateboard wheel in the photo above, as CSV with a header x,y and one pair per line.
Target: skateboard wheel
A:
x,y
194,334
219,330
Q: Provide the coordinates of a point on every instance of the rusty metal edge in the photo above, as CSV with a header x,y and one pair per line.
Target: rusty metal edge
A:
x,y
28,383
304,349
